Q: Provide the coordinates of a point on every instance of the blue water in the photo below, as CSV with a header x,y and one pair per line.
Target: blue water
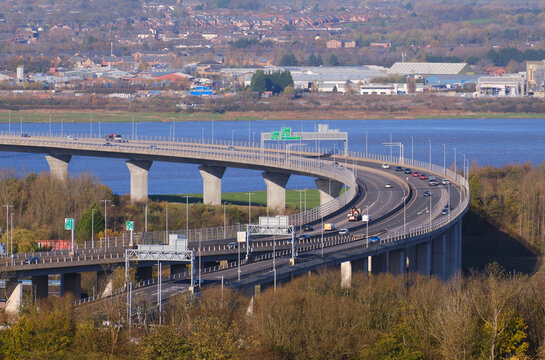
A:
x,y
487,141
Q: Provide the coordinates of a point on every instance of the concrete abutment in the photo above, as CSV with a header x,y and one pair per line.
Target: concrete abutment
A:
x,y
139,170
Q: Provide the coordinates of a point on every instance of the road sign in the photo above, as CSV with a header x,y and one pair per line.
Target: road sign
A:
x,y
69,224
241,236
275,135
284,134
129,226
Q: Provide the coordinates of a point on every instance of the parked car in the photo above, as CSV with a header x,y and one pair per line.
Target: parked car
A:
x,y
427,193
374,239
31,260
344,232
307,228
385,166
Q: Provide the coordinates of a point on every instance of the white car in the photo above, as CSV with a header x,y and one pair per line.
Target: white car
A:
x,y
388,186
344,232
385,166
445,182
71,137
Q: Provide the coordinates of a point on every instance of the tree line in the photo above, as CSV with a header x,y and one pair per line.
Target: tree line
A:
x,y
490,316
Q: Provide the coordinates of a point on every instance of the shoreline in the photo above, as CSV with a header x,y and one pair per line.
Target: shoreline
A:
x,y
42,116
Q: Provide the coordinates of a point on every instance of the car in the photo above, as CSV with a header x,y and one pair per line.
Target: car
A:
x,y
231,148
107,144
153,147
427,193
374,239
423,177
433,178
232,245
432,183
25,135
445,182
385,166
31,260
407,171
399,168
444,211
388,186
415,173
335,163
307,228
71,137
344,232
303,237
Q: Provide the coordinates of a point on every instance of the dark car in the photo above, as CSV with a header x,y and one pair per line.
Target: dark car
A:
x,y
444,211
399,168
374,239
25,135
407,171
307,228
303,237
232,245
31,260
427,193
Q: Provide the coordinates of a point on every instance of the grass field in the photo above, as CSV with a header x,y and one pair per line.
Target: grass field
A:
x,y
259,198
119,116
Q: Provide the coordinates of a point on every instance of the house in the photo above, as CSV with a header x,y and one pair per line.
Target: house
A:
x,y
381,45
350,44
495,71
334,44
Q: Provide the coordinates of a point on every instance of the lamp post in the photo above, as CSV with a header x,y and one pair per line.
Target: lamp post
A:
x,y
412,150
322,241
367,227
200,239
444,159
430,153
93,228
166,223
250,207
7,227
186,216
224,222
106,220
390,148
366,153
274,260
146,223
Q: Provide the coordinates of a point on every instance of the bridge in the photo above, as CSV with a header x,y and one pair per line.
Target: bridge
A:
x,y
415,232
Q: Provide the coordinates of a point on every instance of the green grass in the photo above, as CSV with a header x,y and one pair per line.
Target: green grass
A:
x,y
259,198
484,116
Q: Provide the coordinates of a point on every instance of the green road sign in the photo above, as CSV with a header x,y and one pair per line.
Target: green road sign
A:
x,y
69,224
130,226
275,135
284,134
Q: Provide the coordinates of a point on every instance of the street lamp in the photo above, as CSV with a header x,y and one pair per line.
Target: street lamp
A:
x,y
186,216
250,207
322,234
93,228
444,159
366,153
224,222
106,220
200,239
412,150
390,148
430,152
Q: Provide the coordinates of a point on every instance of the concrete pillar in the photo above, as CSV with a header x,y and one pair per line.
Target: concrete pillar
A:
x,y
58,166
411,258
438,267
379,263
459,247
40,286
346,274
211,184
144,273
105,283
423,258
139,170
71,283
397,261
178,268
14,295
328,189
276,190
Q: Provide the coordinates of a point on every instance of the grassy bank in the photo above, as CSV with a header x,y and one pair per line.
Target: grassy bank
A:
x,y
57,116
259,198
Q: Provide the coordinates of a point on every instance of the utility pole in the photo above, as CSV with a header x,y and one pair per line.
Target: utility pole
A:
x,y
93,228
106,220
7,228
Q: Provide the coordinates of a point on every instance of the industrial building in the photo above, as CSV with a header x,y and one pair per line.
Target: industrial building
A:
x,y
508,85
423,68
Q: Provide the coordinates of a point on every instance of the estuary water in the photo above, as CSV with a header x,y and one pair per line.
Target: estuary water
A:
x,y
493,142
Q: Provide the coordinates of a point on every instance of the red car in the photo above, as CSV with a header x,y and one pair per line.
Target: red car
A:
x,y
423,177
415,173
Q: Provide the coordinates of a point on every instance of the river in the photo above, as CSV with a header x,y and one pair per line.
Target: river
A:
x,y
494,142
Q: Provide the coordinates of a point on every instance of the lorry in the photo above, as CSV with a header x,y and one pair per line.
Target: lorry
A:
x,y
354,214
329,227
115,137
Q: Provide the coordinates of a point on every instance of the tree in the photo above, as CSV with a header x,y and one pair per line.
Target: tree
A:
x,y
24,240
314,60
289,91
83,228
275,82
258,82
288,59
333,60
164,343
